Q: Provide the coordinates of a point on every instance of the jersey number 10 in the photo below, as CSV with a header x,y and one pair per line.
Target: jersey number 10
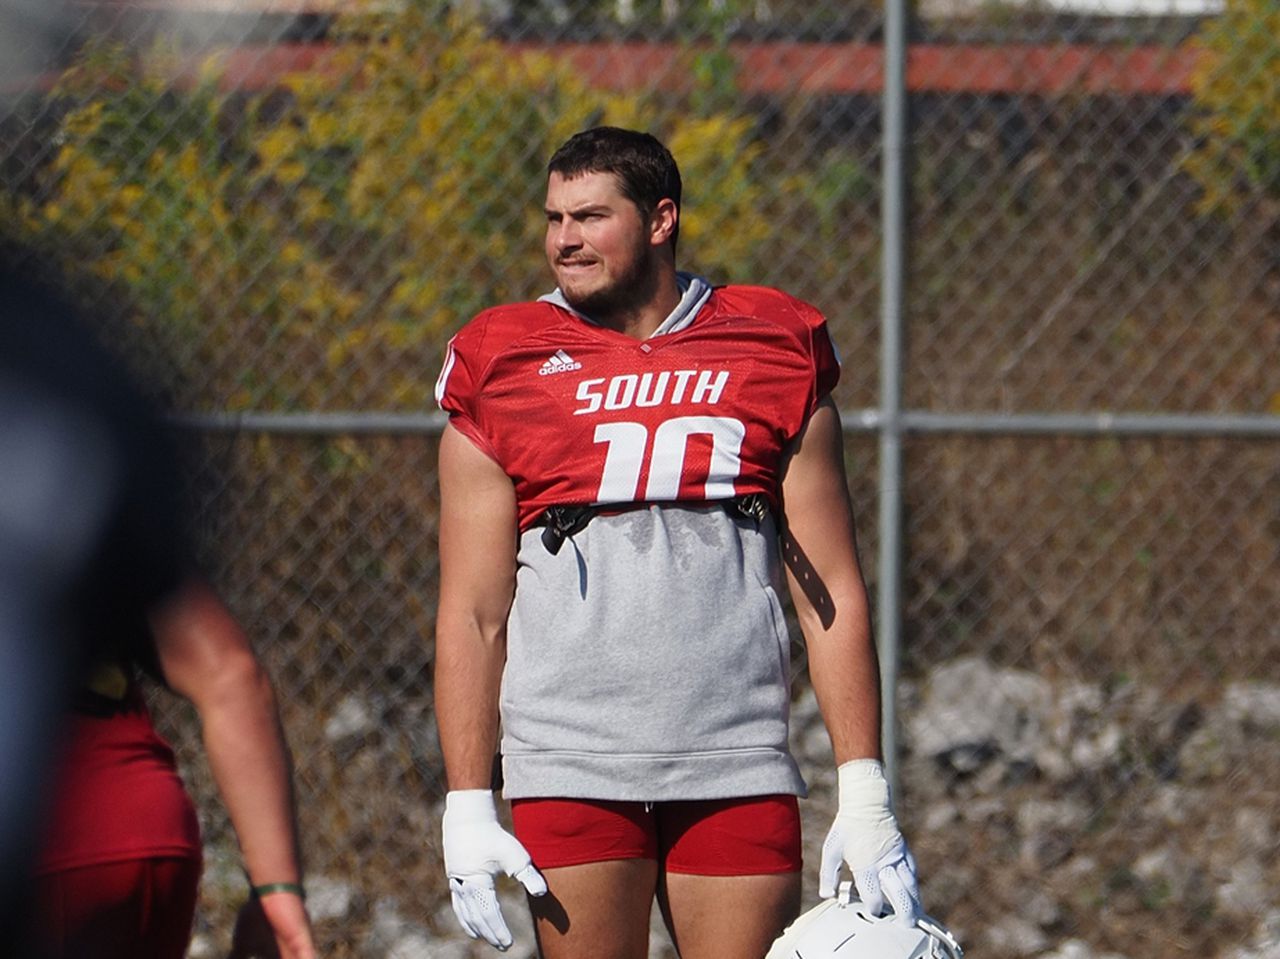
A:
x,y
628,444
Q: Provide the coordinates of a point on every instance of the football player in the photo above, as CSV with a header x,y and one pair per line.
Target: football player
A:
x,y
632,466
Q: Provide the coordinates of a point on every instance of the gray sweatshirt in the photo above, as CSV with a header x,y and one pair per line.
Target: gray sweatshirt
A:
x,y
649,660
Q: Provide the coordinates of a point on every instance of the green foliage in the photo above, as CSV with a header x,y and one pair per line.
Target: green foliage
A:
x,y
841,182
313,244
1236,86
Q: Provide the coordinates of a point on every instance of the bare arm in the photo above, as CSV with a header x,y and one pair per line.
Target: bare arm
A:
x,y
207,658
477,582
820,553
820,550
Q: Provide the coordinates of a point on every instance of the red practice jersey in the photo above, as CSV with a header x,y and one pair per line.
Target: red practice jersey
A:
x,y
578,414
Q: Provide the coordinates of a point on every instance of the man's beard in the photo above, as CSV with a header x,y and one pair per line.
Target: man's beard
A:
x,y
628,292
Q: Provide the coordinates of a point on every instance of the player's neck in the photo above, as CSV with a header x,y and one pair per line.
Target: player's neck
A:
x,y
641,319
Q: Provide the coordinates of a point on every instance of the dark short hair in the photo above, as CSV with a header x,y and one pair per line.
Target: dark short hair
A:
x,y
645,169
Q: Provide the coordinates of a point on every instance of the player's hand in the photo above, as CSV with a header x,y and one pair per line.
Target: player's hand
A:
x,y
476,850
865,837
273,927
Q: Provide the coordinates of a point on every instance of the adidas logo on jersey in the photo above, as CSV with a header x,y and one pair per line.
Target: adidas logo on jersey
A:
x,y
560,362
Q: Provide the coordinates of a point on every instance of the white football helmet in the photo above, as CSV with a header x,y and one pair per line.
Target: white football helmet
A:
x,y
841,928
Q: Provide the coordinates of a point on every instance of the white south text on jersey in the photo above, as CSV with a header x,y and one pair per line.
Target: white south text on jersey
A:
x,y
651,389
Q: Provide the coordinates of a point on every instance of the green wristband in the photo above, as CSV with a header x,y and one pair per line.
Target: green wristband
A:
x,y
266,889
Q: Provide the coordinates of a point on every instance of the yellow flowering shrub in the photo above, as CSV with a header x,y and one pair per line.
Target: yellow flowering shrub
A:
x,y
312,245
1236,86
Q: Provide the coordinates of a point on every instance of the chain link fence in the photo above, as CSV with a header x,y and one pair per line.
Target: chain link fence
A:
x,y
294,204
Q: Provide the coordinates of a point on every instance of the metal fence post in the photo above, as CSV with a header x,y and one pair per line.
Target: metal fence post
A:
x,y
893,187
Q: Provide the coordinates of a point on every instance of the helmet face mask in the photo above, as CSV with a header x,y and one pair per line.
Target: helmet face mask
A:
x,y
842,928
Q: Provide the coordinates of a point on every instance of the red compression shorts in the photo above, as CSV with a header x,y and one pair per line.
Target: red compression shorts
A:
x,y
118,910
751,836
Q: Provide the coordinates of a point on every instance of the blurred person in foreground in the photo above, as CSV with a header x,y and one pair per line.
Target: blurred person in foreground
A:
x,y
629,466
117,855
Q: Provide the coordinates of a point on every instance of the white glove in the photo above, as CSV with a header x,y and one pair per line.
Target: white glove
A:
x,y
865,836
476,849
